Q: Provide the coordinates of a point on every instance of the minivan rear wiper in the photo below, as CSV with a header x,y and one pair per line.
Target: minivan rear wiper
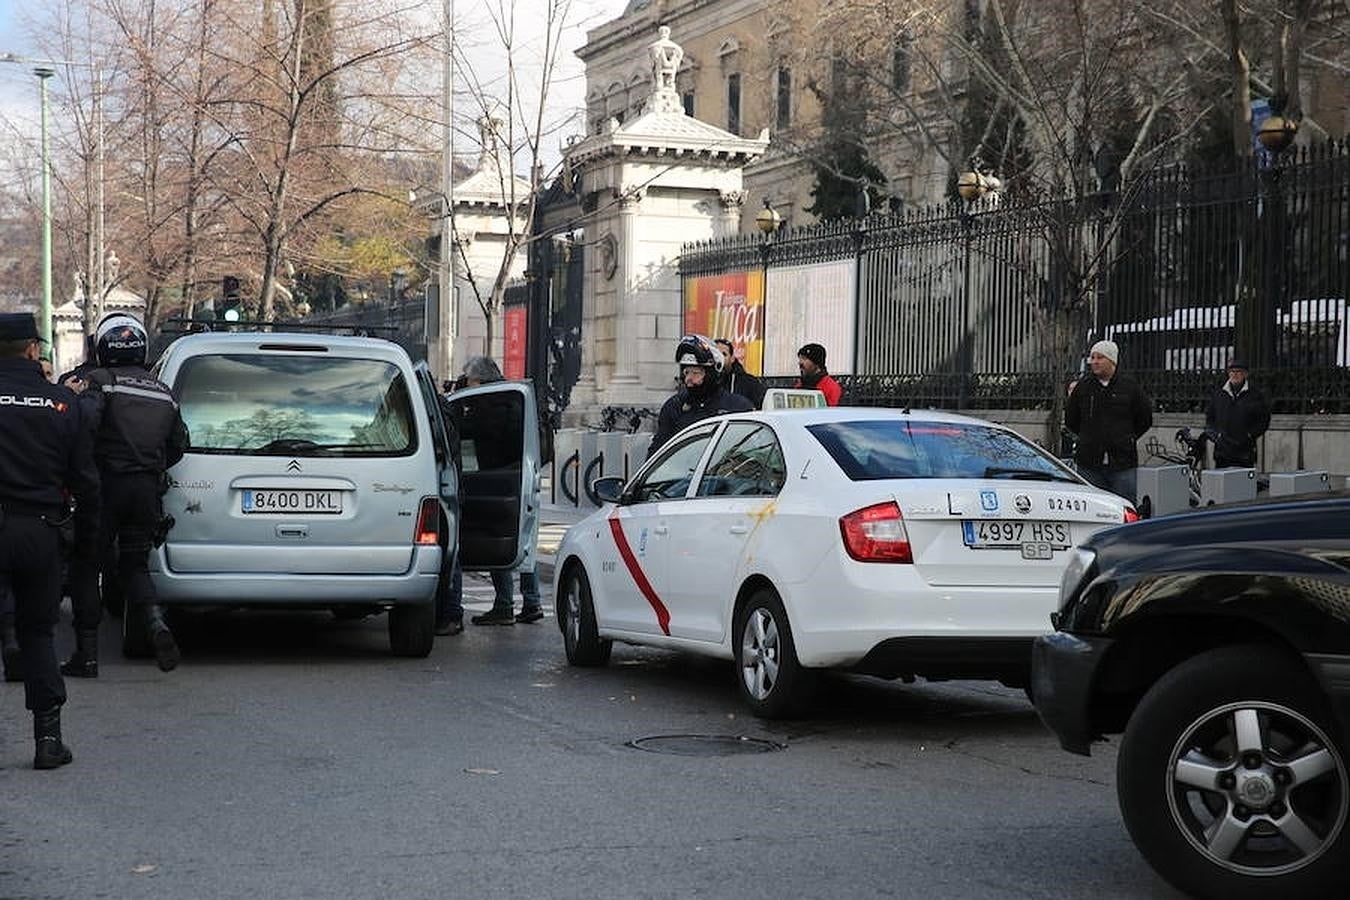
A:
x,y
286,446
1024,474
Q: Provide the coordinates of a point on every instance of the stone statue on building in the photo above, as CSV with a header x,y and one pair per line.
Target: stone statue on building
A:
x,y
666,56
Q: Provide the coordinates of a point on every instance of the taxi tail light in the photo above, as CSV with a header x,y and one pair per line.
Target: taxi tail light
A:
x,y
877,534
428,531
1131,515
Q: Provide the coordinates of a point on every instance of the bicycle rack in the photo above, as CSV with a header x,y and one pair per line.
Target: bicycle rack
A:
x,y
1163,490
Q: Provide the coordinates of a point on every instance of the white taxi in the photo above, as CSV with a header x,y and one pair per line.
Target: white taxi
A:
x,y
879,541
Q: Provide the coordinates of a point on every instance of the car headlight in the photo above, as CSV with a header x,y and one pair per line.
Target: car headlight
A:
x,y
1080,562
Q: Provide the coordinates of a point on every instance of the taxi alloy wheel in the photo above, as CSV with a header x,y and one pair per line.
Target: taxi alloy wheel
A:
x,y
581,637
770,679
1231,780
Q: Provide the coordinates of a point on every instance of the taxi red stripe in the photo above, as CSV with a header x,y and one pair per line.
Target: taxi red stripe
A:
x,y
629,560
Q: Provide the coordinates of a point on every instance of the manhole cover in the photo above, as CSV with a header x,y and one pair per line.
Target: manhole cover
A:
x,y
705,744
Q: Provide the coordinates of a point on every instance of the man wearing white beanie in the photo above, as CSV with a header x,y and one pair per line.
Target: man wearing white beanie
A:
x,y
1109,412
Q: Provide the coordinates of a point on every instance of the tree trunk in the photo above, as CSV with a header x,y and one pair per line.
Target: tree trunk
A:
x,y
1239,70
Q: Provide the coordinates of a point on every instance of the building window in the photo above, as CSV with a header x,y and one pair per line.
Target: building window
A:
x,y
900,62
784,97
734,103
688,98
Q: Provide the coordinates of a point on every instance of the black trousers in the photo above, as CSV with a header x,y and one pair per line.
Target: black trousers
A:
x,y
130,514
30,565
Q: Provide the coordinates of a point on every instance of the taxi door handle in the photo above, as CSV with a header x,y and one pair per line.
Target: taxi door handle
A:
x,y
660,529
739,529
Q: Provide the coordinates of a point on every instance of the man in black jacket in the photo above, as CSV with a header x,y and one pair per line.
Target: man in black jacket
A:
x,y
1237,415
1108,412
735,380
44,452
139,434
700,395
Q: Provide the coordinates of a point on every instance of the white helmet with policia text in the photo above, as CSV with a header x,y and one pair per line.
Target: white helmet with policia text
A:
x,y
120,340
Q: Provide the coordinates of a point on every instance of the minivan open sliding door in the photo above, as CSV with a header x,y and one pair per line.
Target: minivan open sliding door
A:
x,y
500,476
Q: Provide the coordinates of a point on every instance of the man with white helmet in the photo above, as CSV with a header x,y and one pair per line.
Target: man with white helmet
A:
x,y
700,394
139,433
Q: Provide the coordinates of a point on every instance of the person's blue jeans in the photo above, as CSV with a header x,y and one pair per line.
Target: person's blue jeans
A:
x,y
529,591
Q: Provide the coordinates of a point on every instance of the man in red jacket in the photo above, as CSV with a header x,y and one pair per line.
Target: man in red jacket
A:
x,y
811,361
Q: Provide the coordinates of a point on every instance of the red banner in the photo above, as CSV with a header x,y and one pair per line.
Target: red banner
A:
x,y
729,306
515,341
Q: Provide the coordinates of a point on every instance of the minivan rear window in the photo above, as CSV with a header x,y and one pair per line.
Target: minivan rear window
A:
x,y
269,405
902,448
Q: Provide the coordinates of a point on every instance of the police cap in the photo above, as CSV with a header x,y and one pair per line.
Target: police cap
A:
x,y
18,327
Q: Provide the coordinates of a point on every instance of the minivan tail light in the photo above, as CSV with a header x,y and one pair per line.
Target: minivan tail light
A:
x,y
1131,515
877,534
428,523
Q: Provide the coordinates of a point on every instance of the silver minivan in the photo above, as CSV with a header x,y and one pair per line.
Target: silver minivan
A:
x,y
319,474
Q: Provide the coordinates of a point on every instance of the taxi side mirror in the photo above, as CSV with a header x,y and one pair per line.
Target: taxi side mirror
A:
x,y
608,489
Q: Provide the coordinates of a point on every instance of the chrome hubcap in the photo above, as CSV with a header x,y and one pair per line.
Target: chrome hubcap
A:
x,y
1258,788
759,654
573,604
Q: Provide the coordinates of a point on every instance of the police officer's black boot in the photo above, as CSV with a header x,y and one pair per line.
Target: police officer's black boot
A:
x,y
51,753
9,651
83,663
161,638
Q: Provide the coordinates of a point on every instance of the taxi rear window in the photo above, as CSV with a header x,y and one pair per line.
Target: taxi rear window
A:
x,y
901,448
285,405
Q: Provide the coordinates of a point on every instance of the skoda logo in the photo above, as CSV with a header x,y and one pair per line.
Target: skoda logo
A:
x,y
293,466
1023,503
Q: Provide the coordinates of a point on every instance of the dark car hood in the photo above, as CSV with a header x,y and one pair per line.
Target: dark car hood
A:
x,y
1316,519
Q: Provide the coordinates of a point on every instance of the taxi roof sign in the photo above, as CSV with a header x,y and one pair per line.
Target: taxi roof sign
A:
x,y
793,398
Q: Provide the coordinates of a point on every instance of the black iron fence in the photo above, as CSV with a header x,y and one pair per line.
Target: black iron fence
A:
x,y
994,305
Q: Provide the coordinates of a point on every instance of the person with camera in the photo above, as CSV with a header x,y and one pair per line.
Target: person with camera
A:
x,y
45,461
138,435
1237,415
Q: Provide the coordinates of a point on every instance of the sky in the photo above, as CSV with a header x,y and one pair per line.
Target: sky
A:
x,y
18,89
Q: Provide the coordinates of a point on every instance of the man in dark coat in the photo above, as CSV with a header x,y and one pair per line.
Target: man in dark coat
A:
x,y
735,380
1237,415
46,455
700,395
1109,412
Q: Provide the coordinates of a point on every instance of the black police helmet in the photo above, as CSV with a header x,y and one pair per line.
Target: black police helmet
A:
x,y
697,350
120,341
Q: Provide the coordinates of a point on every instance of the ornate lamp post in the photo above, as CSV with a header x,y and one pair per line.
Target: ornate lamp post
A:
x,y
1276,134
972,186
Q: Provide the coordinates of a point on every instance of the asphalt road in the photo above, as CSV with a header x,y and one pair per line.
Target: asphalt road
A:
x,y
291,756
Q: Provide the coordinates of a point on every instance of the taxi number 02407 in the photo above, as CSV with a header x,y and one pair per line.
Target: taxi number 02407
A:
x,y
994,535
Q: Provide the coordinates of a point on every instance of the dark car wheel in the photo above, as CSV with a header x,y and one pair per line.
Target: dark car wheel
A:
x,y
768,675
1232,782
412,629
576,617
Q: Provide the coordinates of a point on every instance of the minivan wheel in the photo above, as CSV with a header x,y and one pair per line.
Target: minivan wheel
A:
x,y
576,618
135,633
1232,782
412,629
770,679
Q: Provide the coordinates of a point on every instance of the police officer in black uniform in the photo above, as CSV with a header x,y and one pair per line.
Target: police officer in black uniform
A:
x,y
700,395
139,434
45,451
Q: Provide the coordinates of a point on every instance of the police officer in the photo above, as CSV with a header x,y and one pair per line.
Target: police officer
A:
x,y
44,451
700,394
139,434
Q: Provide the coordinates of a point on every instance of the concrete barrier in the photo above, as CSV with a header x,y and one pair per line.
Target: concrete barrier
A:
x,y
1286,483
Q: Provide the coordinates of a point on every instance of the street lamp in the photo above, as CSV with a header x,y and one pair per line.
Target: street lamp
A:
x,y
768,219
94,281
1277,133
45,316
